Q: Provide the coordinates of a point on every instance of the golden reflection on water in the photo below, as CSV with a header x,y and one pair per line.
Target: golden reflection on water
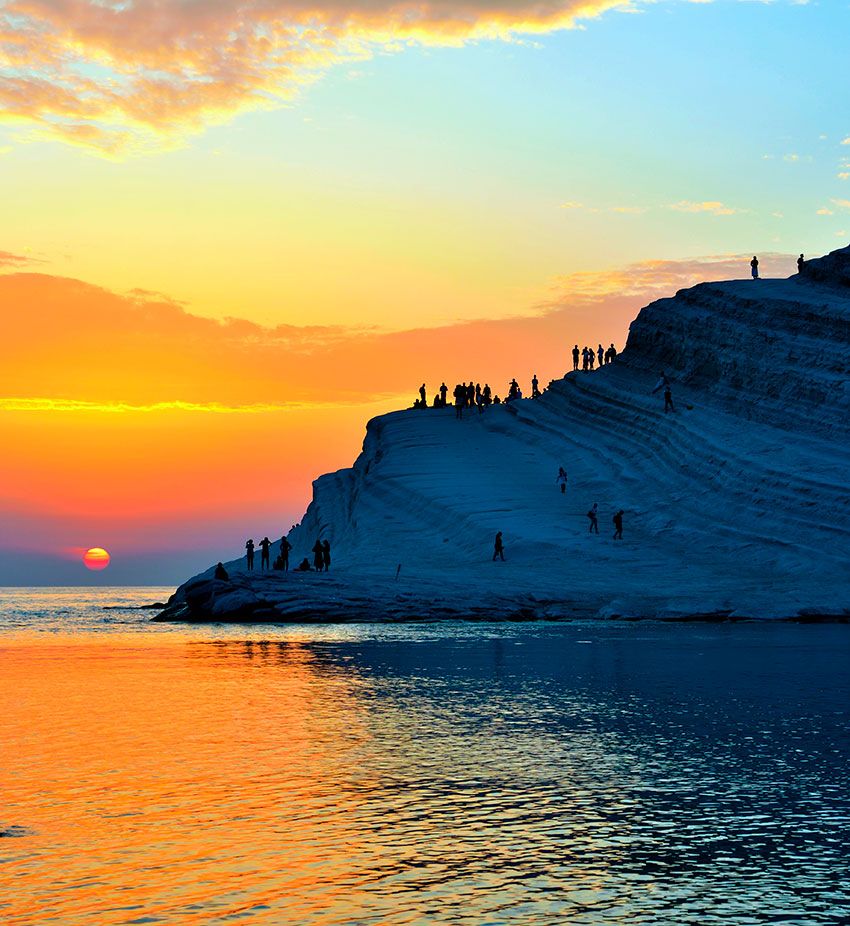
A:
x,y
174,777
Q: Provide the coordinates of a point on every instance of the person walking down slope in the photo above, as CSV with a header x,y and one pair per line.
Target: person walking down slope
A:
x,y
561,479
265,543
593,514
668,400
499,548
318,556
249,554
618,525
575,358
754,266
326,555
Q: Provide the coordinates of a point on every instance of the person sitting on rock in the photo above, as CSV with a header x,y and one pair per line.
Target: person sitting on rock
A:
x,y
618,525
499,547
221,573
318,556
512,390
754,266
800,264
249,555
496,400
593,514
575,357
303,566
326,555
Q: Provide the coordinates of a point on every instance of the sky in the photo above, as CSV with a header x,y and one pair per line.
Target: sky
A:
x,y
233,233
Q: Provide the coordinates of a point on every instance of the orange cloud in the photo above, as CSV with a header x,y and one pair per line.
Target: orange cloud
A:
x,y
168,69
712,207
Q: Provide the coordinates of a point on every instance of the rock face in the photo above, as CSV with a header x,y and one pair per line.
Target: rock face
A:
x,y
735,505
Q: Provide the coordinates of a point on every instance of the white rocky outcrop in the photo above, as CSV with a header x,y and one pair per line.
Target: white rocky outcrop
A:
x,y
736,505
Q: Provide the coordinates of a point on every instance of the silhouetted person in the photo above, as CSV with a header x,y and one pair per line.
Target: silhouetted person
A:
x,y
512,390
800,264
249,547
326,555
221,573
754,266
535,391
593,514
496,400
584,360
265,543
591,358
612,354
662,382
444,390
487,394
499,548
668,400
437,402
618,525
575,357
303,566
460,400
600,354
318,556
285,547
561,479
423,402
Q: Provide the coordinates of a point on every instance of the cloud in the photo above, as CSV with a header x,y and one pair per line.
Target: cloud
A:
x,y
7,259
846,141
712,207
825,211
120,78
841,203
70,347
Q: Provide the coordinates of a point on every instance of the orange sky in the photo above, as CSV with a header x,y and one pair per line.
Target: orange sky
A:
x,y
164,436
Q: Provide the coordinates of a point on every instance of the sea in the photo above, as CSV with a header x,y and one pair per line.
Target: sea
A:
x,y
432,773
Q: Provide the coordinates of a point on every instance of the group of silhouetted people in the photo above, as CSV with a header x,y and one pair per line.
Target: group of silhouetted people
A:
x,y
590,358
474,395
754,265
321,557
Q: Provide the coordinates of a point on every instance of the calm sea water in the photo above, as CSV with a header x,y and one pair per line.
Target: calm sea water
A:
x,y
577,773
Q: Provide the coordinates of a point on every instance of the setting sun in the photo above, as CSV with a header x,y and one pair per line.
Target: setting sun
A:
x,y
96,558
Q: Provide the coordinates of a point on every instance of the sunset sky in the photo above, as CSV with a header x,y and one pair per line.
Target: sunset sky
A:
x,y
233,233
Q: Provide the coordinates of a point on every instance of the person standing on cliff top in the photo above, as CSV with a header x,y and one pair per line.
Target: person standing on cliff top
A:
x,y
265,543
422,399
600,355
460,399
535,384
249,555
285,547
499,547
318,556
575,358
800,264
754,266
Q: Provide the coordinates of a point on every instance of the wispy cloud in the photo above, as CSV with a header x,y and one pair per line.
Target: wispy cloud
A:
x,y
711,207
119,78
7,259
